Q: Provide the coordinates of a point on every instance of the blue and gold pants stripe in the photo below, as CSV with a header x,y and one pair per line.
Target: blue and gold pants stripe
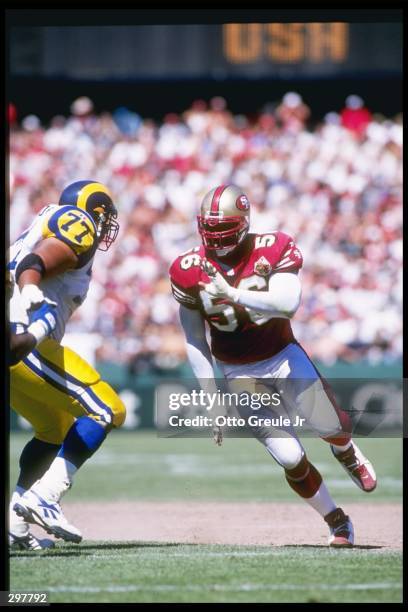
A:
x,y
70,385
53,385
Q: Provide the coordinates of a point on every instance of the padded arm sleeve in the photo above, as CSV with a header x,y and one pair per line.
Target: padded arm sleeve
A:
x,y
281,300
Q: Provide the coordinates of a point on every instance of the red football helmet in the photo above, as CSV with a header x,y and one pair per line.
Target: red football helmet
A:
x,y
224,219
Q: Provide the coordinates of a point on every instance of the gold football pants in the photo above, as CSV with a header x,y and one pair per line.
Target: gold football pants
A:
x,y
53,385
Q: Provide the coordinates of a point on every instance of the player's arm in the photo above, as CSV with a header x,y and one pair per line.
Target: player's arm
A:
x,y
281,300
199,355
198,351
42,321
39,323
50,258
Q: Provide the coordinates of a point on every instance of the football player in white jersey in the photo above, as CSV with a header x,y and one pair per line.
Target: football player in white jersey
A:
x,y
246,288
68,405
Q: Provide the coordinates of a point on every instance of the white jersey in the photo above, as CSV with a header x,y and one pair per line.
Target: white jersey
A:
x,y
75,228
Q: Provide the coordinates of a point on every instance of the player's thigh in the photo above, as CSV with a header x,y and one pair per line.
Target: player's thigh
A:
x,y
95,396
50,423
61,377
267,419
307,393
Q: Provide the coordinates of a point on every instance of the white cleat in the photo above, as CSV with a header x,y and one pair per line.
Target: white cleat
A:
x,y
20,537
358,467
33,508
29,542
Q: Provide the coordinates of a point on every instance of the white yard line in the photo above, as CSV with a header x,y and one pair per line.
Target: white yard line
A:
x,y
363,586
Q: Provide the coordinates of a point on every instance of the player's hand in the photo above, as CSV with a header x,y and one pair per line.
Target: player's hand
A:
x,y
21,343
218,286
9,285
32,298
43,320
217,435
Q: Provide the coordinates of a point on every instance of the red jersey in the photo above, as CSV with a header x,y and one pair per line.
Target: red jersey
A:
x,y
239,334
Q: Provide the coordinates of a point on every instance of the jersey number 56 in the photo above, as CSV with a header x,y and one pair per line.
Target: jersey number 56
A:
x,y
228,312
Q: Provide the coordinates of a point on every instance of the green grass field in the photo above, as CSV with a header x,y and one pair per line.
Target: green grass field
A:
x,y
146,572
140,466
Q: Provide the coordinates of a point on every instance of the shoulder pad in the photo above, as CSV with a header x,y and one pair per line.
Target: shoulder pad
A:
x,y
184,276
72,226
279,250
266,240
290,257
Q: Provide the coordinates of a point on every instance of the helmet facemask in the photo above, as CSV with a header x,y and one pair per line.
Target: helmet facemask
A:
x,y
107,228
222,234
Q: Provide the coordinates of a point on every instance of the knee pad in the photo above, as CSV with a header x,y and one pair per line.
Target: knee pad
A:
x,y
288,452
82,441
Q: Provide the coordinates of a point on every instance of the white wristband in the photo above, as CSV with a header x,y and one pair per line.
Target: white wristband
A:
x,y
39,330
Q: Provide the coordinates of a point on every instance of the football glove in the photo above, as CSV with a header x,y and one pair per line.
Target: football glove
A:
x,y
32,298
43,320
218,286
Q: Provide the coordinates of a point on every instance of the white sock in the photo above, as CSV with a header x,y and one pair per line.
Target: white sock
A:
x,y
57,479
338,448
321,501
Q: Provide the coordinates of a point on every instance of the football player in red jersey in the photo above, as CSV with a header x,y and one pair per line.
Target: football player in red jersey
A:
x,y
246,287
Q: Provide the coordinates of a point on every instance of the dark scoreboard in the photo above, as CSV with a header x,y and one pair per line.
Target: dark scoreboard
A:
x,y
224,51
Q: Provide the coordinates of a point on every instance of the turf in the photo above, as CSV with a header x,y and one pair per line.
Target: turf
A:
x,y
141,466
146,572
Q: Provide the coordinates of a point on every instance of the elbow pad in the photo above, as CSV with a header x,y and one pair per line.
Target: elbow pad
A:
x,y
288,295
32,261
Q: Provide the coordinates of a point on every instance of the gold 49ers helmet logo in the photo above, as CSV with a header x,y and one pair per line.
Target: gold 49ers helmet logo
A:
x,y
242,202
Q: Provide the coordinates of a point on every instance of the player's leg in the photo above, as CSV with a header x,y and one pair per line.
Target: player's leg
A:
x,y
301,475
84,437
50,426
65,380
312,397
35,459
306,481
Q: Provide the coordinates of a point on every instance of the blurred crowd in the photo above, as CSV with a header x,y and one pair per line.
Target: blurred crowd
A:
x,y
335,185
